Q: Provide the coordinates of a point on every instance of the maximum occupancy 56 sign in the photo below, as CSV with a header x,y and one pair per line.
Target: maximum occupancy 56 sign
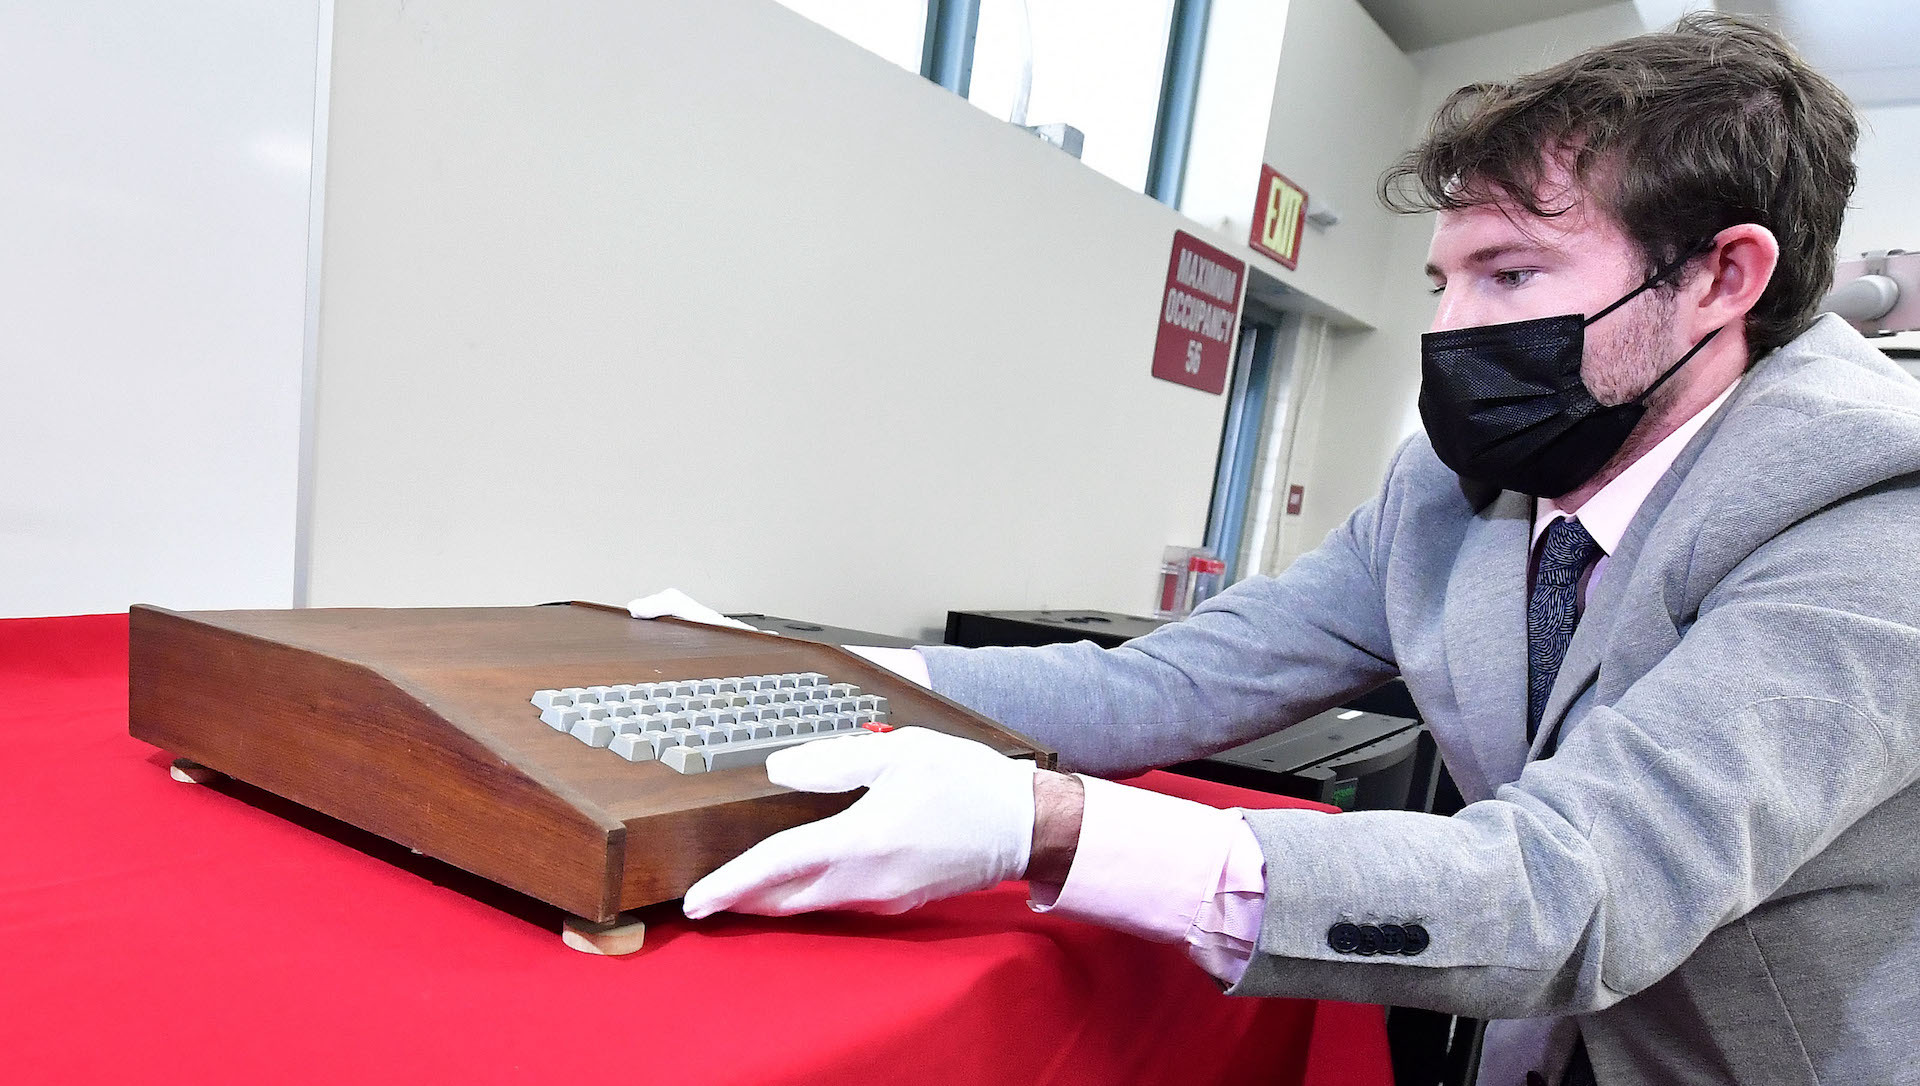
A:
x,y
1197,315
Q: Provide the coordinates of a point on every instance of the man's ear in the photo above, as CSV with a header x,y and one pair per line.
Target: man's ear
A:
x,y
1727,282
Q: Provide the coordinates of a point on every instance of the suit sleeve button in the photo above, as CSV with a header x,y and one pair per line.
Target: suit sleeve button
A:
x,y
1393,938
1416,939
1369,940
1344,938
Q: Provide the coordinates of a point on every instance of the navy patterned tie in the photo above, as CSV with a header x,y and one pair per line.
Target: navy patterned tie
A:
x,y
1554,609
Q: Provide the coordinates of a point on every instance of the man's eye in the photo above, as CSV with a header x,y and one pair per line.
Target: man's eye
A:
x,y
1513,277
1437,289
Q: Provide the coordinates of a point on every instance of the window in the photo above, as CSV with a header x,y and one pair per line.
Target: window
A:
x,y
892,28
1093,64
1124,73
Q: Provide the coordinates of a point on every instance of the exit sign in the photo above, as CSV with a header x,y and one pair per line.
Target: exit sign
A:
x,y
1278,216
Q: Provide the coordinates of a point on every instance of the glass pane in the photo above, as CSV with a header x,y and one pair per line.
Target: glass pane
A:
x,y
892,28
1094,64
1231,113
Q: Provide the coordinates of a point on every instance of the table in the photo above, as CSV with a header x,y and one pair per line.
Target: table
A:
x,y
153,931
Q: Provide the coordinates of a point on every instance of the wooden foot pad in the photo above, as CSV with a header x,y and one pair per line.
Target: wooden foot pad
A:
x,y
623,935
187,772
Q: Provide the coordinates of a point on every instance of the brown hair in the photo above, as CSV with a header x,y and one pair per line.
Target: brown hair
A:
x,y
1678,136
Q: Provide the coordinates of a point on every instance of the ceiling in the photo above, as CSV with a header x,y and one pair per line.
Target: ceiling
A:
x,y
1421,24
1871,48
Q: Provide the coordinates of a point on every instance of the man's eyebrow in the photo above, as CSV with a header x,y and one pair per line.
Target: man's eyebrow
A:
x,y
1490,253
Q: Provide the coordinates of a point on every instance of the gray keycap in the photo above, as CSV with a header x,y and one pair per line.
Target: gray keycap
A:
x,y
594,712
624,711
660,741
752,754
561,717
632,747
547,699
594,733
684,759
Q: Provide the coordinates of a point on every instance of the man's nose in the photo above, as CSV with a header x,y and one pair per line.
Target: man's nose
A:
x,y
1456,310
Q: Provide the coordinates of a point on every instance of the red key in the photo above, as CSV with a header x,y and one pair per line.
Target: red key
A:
x,y
876,726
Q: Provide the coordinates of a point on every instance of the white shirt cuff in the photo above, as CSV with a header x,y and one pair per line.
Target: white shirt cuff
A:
x,y
1146,863
1227,929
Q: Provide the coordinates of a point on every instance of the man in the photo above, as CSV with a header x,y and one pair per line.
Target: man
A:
x,y
1649,576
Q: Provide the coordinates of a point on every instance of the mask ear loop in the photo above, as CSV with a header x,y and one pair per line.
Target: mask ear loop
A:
x,y
1675,368
1660,275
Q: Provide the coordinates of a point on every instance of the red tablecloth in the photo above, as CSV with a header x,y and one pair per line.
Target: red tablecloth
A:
x,y
154,932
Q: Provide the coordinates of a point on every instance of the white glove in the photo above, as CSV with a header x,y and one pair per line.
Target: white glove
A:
x,y
678,604
941,816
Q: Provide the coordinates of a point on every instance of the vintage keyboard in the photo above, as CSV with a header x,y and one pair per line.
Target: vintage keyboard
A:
x,y
588,759
731,722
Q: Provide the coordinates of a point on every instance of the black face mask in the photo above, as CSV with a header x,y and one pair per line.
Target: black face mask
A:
x,y
1504,404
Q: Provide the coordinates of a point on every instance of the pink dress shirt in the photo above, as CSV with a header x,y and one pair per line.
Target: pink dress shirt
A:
x,y
1171,870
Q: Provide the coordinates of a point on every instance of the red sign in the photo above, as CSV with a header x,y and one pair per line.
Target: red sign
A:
x,y
1279,213
1197,315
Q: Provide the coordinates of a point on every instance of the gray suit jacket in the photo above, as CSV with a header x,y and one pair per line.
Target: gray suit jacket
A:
x,y
1719,870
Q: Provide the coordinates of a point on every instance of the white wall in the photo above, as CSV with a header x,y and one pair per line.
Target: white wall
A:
x,y
1884,213
152,285
620,295
1341,106
680,214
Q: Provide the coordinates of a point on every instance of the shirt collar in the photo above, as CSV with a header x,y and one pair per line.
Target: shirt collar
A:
x,y
1607,514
